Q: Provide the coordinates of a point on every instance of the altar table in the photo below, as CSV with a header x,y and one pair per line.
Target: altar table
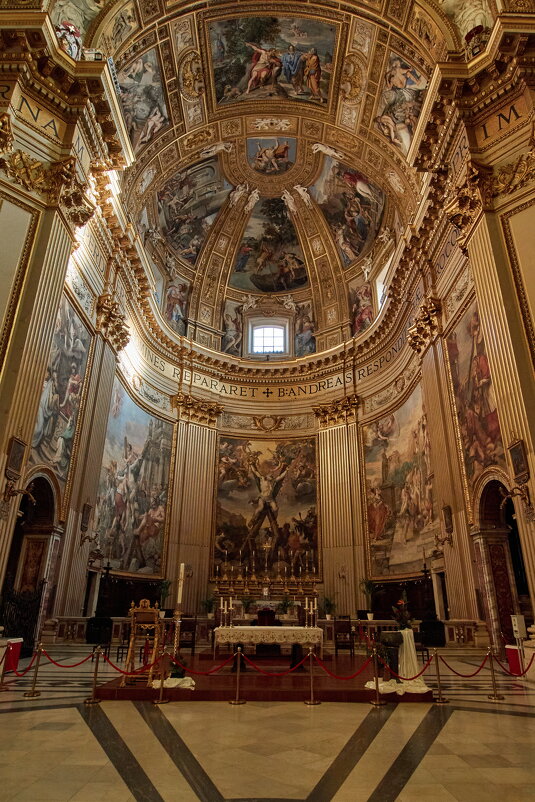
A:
x,y
283,636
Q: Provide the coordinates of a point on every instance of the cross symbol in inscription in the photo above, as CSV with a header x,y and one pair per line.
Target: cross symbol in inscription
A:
x,y
267,392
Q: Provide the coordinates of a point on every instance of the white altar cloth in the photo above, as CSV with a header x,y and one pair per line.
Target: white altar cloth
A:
x,y
407,667
305,636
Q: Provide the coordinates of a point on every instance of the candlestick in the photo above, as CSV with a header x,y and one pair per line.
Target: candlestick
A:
x,y
180,585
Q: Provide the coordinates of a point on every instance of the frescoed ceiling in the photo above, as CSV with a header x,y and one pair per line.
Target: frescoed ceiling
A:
x,y
273,145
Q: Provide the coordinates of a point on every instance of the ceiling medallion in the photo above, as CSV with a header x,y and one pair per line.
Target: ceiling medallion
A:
x,y
353,79
190,76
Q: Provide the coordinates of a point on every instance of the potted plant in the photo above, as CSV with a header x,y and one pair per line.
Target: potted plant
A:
x,y
368,587
329,606
165,584
285,605
208,605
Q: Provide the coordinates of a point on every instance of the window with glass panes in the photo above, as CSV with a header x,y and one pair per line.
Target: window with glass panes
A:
x,y
268,339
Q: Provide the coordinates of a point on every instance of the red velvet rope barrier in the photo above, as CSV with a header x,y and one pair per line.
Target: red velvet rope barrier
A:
x,y
464,676
203,673
511,673
135,673
274,673
406,679
32,661
336,676
63,665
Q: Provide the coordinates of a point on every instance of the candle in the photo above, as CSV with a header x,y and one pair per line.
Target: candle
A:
x,y
217,569
226,554
230,602
285,570
180,584
221,603
246,569
315,604
306,603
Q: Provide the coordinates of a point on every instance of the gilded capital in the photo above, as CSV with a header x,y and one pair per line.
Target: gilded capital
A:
x,y
196,410
111,322
343,410
426,325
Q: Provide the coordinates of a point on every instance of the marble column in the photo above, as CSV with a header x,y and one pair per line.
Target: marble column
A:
x,y
493,560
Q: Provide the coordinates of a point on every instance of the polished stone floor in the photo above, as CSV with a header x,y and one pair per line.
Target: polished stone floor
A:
x,y
54,748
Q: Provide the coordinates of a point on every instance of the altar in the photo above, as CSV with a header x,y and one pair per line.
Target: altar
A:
x,y
282,636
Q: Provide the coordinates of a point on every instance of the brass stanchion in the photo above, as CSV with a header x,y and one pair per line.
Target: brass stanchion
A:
x,y
4,686
237,700
165,662
494,696
33,692
311,701
92,700
441,699
377,702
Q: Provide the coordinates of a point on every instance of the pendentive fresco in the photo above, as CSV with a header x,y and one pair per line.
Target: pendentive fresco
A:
x,y
142,99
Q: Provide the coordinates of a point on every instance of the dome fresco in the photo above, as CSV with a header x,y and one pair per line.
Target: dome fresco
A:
x,y
270,155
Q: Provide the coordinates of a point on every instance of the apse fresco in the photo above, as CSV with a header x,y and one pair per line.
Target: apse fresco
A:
x,y
175,309
142,99
269,258
360,306
273,155
399,490
352,205
232,340
474,396
131,507
119,28
266,506
256,58
400,102
188,205
61,393
305,341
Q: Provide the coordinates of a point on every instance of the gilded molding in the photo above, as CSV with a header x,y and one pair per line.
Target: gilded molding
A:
x,y
195,410
6,134
426,325
343,410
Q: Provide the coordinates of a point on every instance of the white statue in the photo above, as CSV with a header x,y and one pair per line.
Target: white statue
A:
x,y
367,264
385,235
288,302
303,194
211,150
468,14
289,201
237,193
336,154
253,199
250,303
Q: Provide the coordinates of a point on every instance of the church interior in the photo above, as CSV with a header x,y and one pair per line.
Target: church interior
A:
x,y
267,386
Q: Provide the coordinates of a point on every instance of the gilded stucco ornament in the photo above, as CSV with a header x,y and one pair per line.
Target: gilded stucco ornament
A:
x,y
426,325
6,135
111,322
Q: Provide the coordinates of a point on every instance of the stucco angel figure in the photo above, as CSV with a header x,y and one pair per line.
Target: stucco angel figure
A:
x,y
249,303
321,148
385,235
288,302
289,201
253,199
238,193
303,194
211,150
367,266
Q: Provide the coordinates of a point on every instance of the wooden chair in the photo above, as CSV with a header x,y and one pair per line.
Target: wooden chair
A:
x,y
343,635
188,632
421,646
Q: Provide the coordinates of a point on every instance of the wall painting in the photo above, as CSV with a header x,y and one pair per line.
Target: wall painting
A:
x,y
475,402
271,155
399,490
360,306
256,58
61,394
232,340
266,506
175,309
131,509
352,205
305,341
269,258
188,205
142,99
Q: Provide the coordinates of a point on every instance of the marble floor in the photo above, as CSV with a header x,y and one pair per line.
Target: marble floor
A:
x,y
54,748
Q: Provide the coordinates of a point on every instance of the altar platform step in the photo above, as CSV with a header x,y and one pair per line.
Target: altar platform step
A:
x,y
257,687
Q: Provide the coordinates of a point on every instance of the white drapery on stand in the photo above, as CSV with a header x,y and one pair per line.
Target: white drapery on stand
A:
x,y
407,667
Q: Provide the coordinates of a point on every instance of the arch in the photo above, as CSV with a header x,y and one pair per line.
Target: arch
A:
x,y
48,480
487,499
